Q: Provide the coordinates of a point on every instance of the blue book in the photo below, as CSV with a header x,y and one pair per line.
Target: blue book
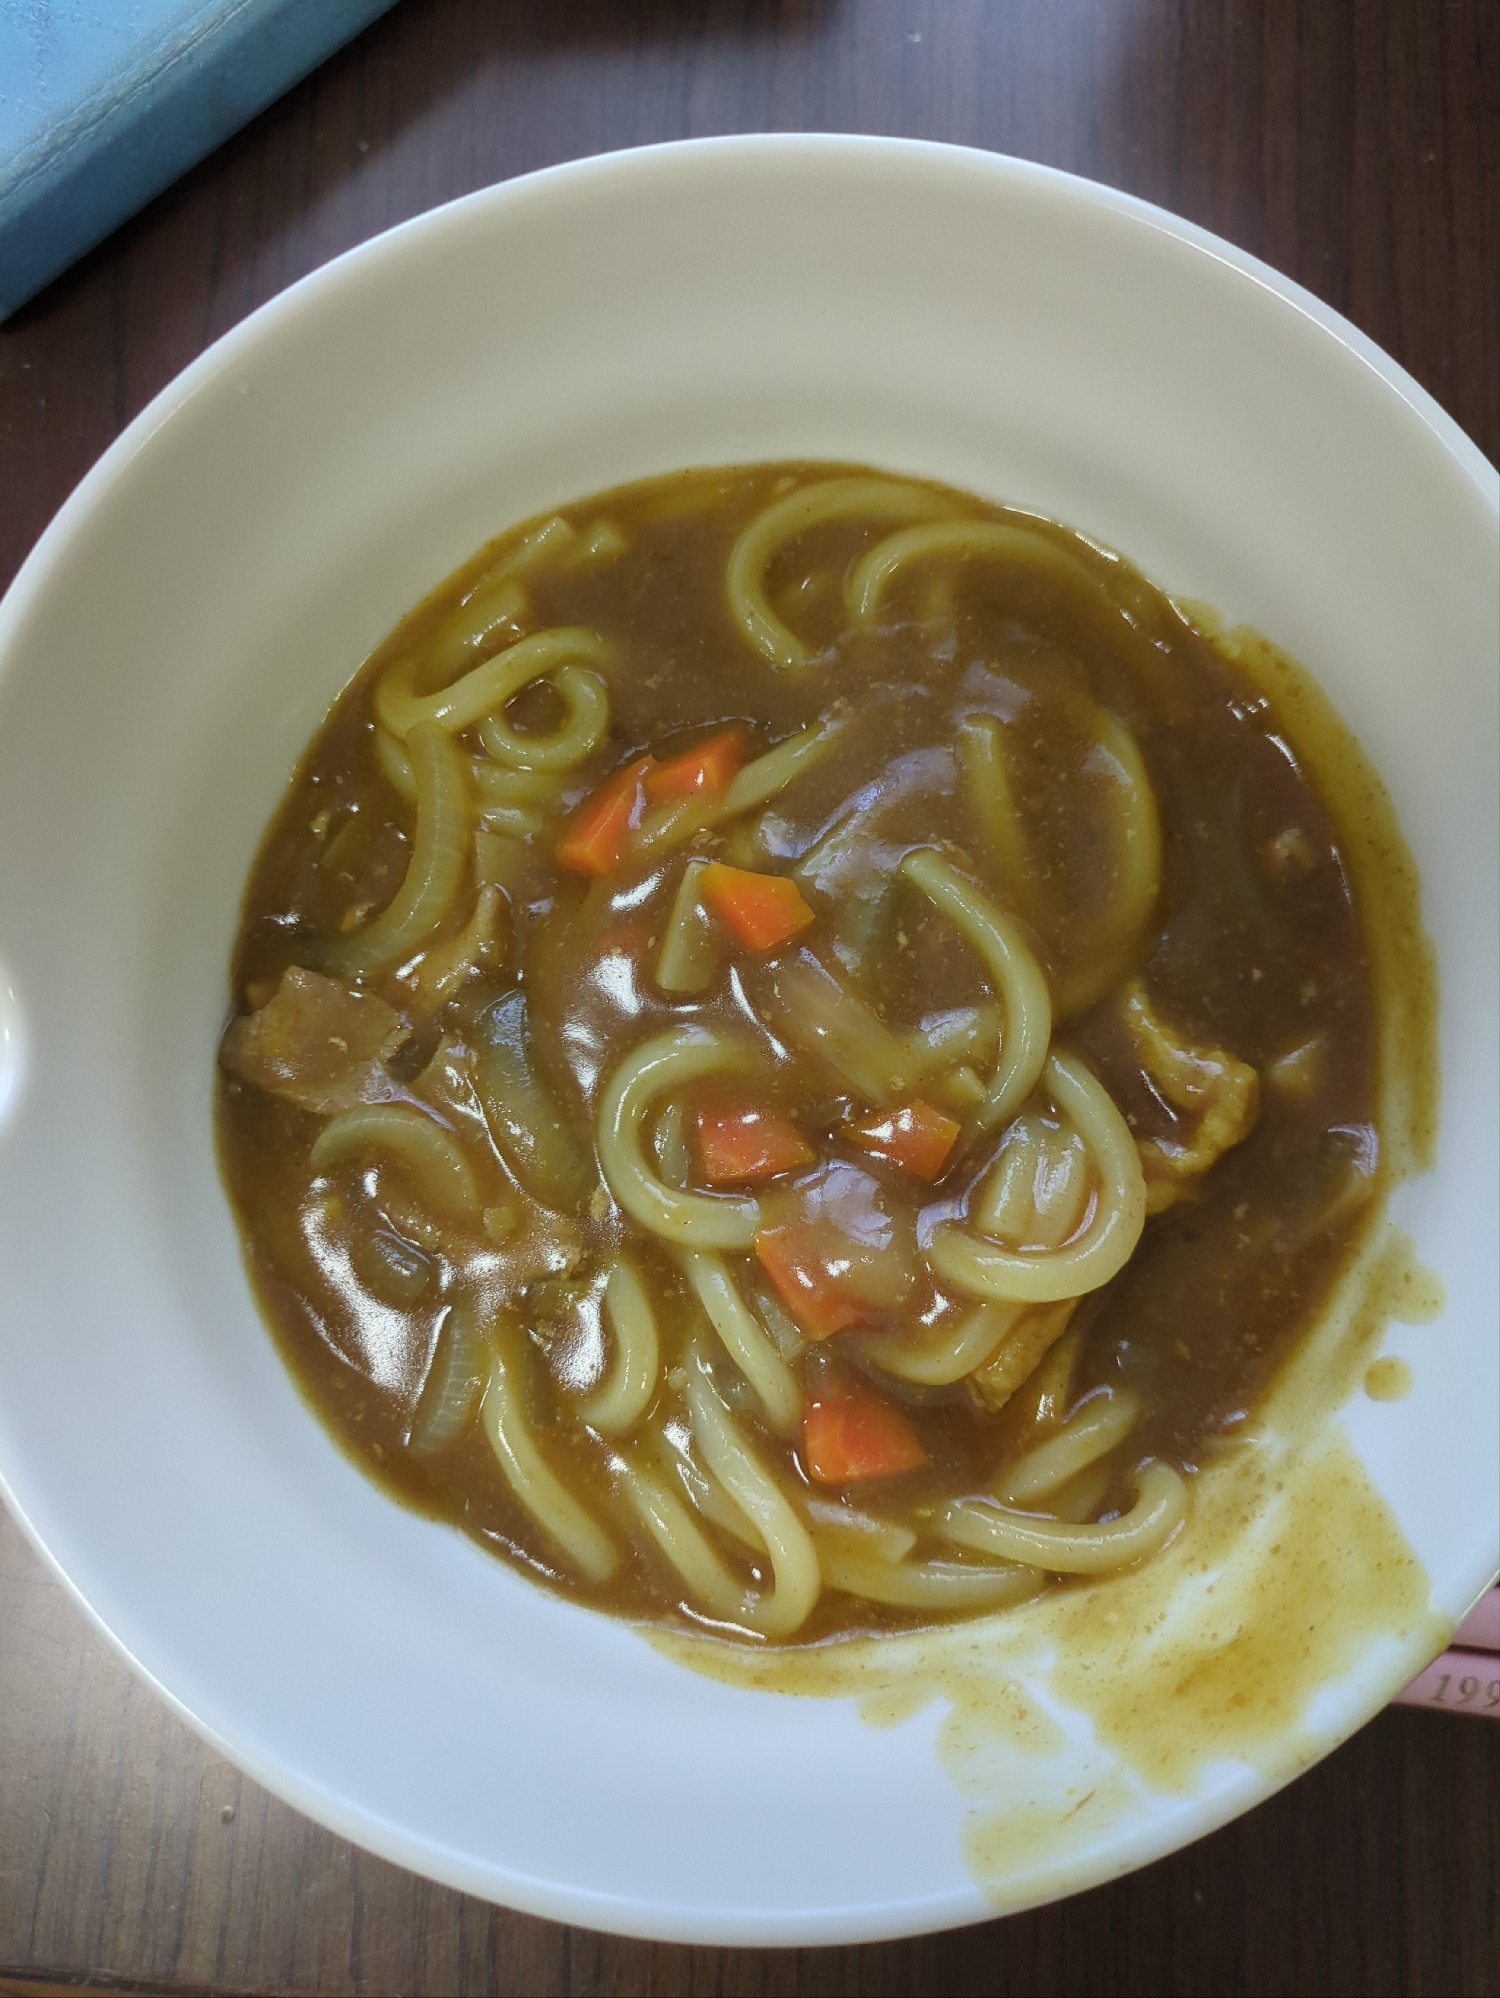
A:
x,y
103,103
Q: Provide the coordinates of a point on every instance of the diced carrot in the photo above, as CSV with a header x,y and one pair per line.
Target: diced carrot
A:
x,y
594,836
916,1136
801,1259
708,767
759,910
856,1433
740,1141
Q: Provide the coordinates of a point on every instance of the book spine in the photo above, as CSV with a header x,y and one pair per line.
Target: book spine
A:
x,y
1466,1679
186,96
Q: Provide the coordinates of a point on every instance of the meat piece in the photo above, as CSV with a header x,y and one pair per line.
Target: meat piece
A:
x,y
1215,1095
317,1043
1020,1353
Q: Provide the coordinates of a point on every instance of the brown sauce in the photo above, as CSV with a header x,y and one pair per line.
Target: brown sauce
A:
x,y
1246,952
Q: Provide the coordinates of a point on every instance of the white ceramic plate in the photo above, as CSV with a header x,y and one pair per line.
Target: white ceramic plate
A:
x,y
170,647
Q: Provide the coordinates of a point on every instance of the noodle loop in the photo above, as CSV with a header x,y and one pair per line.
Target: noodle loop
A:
x,y
1105,1244
617,1405
794,1559
1020,986
691,1220
486,688
445,830
808,506
1065,1549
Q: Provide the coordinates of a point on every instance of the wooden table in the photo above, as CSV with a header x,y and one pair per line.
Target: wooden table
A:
x,y
1352,144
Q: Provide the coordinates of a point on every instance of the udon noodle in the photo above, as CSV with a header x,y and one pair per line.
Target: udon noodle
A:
x,y
802,1050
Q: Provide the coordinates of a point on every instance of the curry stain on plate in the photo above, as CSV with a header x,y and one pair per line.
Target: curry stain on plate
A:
x,y
1389,1379
1292,1573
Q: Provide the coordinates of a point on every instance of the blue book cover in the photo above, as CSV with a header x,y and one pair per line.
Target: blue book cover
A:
x,y
104,102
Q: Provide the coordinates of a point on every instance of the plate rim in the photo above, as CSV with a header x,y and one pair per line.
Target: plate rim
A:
x,y
845,1924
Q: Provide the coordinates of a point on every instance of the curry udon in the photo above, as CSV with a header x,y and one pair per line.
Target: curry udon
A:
x,y
802,1049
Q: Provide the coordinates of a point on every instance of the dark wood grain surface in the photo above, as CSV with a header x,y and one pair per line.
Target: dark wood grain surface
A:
x,y
1355,146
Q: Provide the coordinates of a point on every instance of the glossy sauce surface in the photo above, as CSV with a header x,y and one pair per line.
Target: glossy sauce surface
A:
x,y
1250,950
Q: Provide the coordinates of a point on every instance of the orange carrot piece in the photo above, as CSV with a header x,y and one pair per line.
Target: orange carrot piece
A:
x,y
741,1141
856,1433
759,910
594,836
796,1257
708,767
915,1136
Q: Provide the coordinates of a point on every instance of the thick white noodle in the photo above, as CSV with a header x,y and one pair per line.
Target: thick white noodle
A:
x,y
1137,881
1005,541
485,688
497,599
936,1586
986,766
1100,1425
864,1534
515,821
959,1034
1003,1205
690,1220
1044,1276
789,1547
582,1540
1064,1549
681,1540
670,1144
1035,1193
793,514
440,854
554,537
706,1493
958,1089
500,805
1037,1189
970,1343
583,727
622,1398
428,1150
601,542
498,784
1019,984
745,1340
1081,1497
